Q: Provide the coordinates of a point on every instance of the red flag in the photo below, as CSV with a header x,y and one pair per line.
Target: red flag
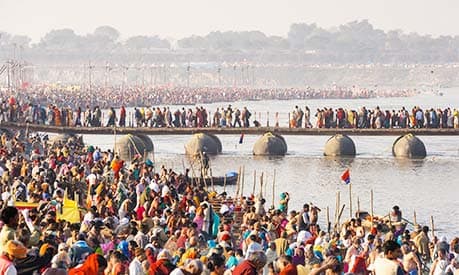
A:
x,y
346,176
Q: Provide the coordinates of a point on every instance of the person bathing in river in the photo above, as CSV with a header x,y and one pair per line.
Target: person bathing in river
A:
x,y
396,214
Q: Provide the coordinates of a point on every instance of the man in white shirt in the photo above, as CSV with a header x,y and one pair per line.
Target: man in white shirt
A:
x,y
135,268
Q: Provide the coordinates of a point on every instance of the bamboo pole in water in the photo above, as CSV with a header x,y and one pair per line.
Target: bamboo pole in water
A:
x,y
371,206
350,200
337,206
274,186
433,226
238,183
212,179
339,216
242,179
261,184
254,181
358,204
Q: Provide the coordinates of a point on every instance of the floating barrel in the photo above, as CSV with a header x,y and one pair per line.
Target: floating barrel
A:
x,y
270,145
147,142
339,145
409,146
128,146
201,142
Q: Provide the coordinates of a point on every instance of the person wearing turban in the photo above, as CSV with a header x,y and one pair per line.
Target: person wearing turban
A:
x,y
11,251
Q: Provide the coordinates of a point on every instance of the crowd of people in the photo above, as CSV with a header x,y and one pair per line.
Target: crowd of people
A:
x,y
140,219
376,118
132,96
12,110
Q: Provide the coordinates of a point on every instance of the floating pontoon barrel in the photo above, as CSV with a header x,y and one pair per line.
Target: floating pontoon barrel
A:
x,y
270,145
128,146
409,146
147,142
201,142
339,145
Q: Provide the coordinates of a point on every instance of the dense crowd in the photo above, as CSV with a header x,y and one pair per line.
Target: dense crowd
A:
x,y
11,110
140,219
132,96
376,118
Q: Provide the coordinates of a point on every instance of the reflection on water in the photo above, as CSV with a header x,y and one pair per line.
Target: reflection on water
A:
x,y
409,163
271,158
342,161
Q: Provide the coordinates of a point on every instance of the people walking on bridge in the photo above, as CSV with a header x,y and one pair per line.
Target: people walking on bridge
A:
x,y
111,117
122,118
237,118
245,116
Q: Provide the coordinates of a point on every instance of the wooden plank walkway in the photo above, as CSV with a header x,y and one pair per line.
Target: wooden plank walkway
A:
x,y
231,131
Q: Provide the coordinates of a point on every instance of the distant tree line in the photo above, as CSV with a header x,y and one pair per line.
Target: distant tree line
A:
x,y
354,42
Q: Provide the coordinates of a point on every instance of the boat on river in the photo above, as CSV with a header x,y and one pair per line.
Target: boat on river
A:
x,y
229,179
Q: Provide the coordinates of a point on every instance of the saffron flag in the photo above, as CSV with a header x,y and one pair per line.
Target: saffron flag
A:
x,y
346,177
25,205
70,211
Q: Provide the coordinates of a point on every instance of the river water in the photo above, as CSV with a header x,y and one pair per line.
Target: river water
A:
x,y
430,186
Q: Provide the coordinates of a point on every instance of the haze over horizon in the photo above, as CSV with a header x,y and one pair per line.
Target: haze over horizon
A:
x,y
175,19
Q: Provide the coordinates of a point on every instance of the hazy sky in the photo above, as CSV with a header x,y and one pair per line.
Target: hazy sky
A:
x,y
177,19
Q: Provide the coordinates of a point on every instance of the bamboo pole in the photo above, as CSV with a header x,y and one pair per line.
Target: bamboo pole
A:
x,y
274,186
183,167
261,184
203,169
266,185
212,179
433,226
194,176
336,205
350,200
339,217
254,181
414,217
242,180
358,204
371,206
328,220
238,183
224,184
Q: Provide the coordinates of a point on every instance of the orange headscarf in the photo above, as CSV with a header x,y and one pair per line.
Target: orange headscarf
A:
x,y
90,266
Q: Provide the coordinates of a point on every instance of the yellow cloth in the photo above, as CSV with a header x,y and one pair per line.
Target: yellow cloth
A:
x,y
15,249
70,211
43,249
302,270
190,253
